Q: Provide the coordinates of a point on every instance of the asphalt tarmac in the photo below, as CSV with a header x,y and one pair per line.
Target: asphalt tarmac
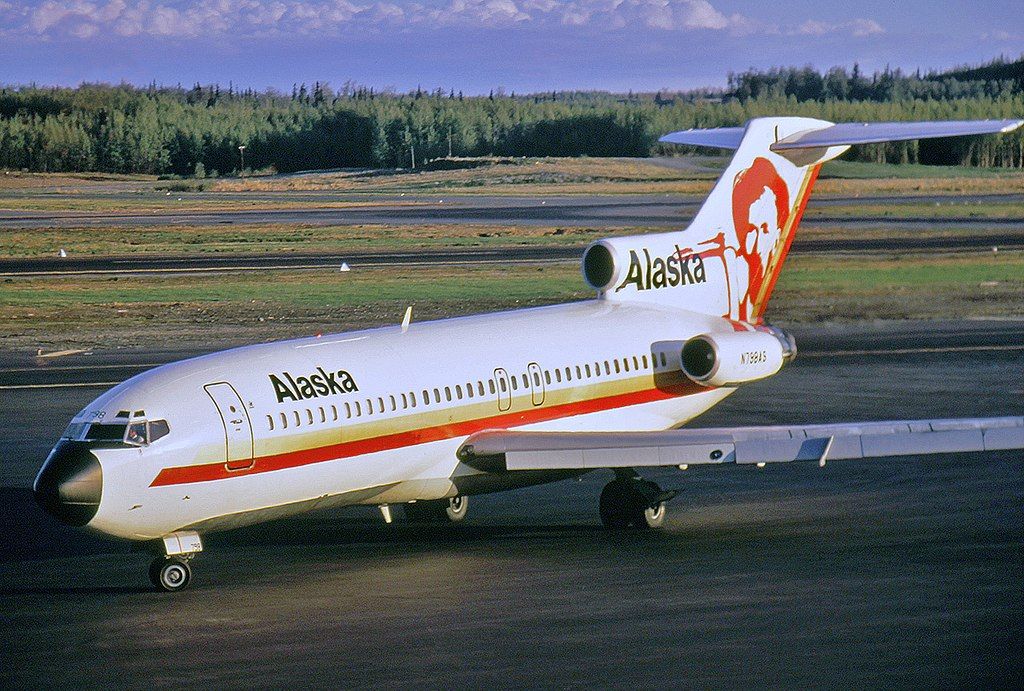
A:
x,y
623,210
884,573
148,264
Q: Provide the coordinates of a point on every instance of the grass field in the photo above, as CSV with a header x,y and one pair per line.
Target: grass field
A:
x,y
532,177
267,238
235,308
247,307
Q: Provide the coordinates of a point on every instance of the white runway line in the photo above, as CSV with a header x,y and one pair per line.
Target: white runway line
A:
x,y
915,351
82,385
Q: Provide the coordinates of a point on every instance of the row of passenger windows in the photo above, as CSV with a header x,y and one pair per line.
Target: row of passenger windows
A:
x,y
408,400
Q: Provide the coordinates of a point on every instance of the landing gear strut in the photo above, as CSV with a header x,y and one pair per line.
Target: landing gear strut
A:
x,y
632,502
450,510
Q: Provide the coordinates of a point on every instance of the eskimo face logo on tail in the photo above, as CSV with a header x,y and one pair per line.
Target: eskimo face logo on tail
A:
x,y
680,268
760,209
315,385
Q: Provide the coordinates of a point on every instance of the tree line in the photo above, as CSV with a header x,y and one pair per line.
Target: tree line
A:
x,y
198,130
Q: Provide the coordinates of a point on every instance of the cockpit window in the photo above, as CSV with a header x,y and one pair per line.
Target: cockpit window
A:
x,y
75,430
101,432
157,429
138,433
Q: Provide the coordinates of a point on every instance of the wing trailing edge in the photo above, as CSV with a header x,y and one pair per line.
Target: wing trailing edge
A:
x,y
740,445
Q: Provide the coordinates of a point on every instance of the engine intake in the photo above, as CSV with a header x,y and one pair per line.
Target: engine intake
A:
x,y
730,359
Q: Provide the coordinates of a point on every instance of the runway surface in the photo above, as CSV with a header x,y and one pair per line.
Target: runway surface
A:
x,y
148,264
621,210
882,573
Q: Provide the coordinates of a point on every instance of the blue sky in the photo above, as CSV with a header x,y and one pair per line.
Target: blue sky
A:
x,y
477,45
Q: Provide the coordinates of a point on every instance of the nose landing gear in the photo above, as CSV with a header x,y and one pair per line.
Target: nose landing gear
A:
x,y
629,501
170,571
170,574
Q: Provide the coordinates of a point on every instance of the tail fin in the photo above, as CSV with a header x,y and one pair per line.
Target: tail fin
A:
x,y
726,262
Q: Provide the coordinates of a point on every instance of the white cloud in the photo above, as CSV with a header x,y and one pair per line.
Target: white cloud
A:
x,y
210,18
855,27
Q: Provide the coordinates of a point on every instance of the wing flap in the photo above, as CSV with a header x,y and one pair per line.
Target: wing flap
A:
x,y
741,445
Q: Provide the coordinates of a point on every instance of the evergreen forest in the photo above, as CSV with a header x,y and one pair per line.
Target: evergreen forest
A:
x,y
197,131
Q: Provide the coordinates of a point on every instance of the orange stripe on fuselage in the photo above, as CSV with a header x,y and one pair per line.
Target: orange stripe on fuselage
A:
x,y
387,442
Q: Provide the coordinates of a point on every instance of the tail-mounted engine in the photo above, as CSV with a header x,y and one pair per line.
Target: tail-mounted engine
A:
x,y
729,359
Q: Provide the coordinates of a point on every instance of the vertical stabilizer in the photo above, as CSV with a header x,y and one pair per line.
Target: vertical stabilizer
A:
x,y
727,260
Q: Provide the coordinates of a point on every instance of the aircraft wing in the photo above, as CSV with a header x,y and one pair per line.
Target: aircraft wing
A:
x,y
516,450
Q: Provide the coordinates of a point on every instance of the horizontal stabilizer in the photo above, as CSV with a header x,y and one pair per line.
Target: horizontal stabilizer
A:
x,y
719,137
847,133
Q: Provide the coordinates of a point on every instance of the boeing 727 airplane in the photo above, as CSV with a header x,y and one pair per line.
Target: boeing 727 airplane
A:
x,y
428,414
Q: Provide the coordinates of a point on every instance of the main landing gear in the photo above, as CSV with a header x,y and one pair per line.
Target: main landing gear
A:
x,y
629,501
450,510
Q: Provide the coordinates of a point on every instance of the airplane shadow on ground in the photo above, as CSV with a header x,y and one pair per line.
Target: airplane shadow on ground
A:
x,y
30,534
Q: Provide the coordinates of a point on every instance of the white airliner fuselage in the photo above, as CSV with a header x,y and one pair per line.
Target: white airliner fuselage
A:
x,y
428,413
415,398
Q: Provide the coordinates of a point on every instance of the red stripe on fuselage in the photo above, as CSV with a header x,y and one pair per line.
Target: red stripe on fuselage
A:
x,y
388,442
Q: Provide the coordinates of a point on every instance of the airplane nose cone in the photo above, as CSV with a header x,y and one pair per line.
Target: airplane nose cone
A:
x,y
70,483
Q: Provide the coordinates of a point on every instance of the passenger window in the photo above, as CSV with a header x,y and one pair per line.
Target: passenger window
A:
x,y
359,410
412,399
334,413
663,363
458,391
394,405
348,411
547,377
380,404
426,397
405,401
536,379
437,395
480,387
579,372
469,389
644,361
617,370
160,428
490,384
636,363
558,376
447,393
625,363
284,421
526,382
515,387
298,420
323,415
309,414
270,422
607,368
587,369
568,374
501,383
